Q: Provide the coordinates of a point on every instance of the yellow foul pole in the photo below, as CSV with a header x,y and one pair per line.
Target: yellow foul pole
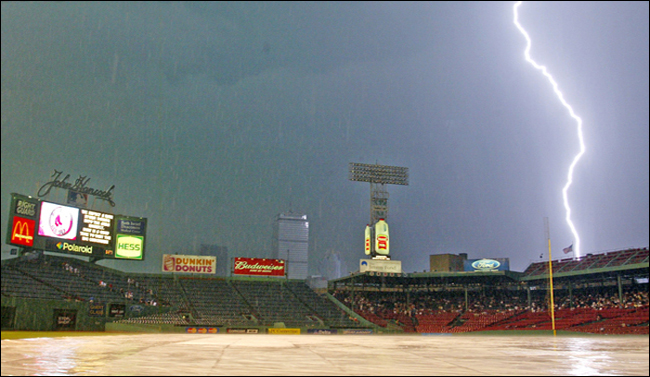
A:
x,y
550,274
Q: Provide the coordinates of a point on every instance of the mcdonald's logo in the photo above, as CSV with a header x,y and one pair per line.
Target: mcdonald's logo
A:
x,y
22,231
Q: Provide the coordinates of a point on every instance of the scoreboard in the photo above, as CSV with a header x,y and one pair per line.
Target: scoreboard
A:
x,y
43,225
96,227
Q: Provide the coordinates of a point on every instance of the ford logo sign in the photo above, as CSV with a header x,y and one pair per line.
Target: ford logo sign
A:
x,y
486,264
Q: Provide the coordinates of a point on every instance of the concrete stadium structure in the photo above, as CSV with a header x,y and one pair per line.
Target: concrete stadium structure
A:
x,y
602,293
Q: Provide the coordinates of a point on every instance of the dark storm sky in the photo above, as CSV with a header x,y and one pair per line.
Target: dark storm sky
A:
x,y
212,118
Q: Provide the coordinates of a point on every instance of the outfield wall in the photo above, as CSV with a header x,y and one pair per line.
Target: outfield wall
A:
x,y
187,329
52,315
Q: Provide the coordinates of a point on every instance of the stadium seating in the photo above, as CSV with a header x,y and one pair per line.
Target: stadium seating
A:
x,y
18,284
480,321
272,302
617,321
372,317
331,315
437,322
639,257
425,308
217,303
590,261
534,268
66,279
404,321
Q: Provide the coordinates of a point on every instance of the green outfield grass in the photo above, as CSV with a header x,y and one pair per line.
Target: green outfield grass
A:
x,y
55,334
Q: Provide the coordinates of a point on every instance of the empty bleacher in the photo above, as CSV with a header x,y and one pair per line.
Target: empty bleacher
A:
x,y
273,302
54,273
326,310
591,261
217,303
18,284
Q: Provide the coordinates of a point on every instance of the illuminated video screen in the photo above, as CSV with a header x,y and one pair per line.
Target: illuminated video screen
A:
x,y
96,227
58,221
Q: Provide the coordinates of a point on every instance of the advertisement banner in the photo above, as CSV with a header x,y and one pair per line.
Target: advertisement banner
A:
x,y
22,231
381,238
485,264
368,235
133,226
380,265
259,267
25,207
357,331
129,247
201,330
242,331
117,310
96,310
65,319
195,264
284,331
130,235
22,227
72,248
321,331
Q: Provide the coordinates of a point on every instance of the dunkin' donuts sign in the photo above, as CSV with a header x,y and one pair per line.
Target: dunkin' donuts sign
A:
x,y
189,263
258,266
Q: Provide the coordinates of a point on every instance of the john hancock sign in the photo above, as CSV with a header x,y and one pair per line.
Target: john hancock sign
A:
x,y
79,185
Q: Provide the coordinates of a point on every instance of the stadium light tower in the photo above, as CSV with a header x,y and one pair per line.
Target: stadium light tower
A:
x,y
378,176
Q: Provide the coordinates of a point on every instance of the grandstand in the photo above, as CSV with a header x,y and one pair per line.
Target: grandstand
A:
x,y
601,293
168,300
591,262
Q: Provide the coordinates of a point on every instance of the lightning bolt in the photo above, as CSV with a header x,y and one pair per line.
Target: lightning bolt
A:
x,y
560,96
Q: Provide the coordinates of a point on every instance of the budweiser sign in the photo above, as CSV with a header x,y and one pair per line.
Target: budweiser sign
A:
x,y
259,266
